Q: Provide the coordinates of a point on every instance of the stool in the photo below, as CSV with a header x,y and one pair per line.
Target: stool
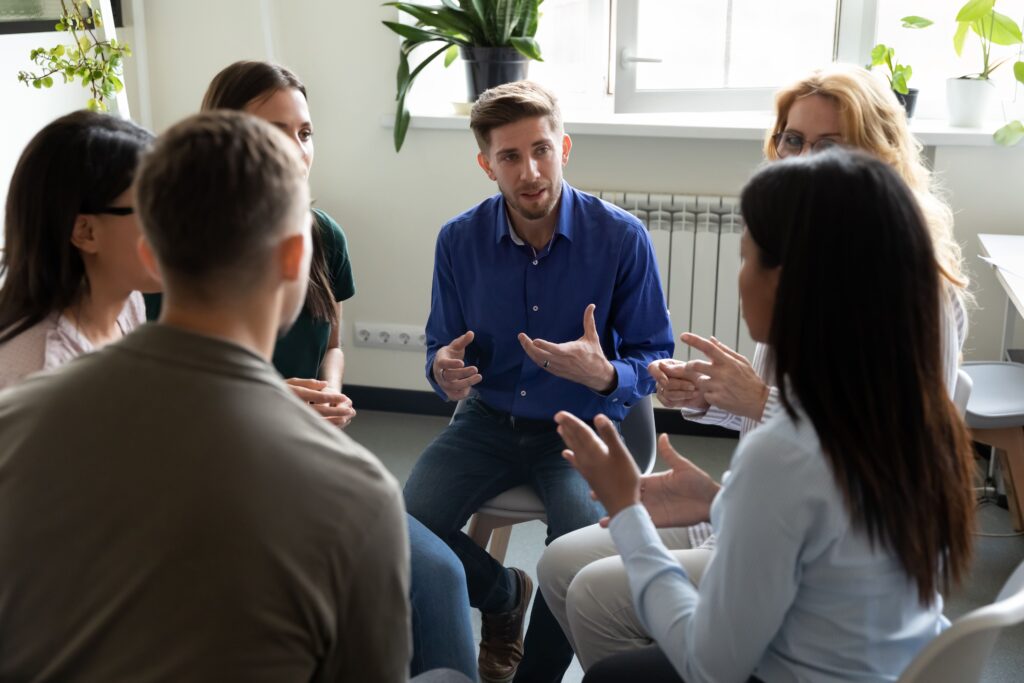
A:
x,y
995,414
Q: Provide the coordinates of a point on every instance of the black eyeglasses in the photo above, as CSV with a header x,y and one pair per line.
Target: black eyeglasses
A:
x,y
789,144
113,210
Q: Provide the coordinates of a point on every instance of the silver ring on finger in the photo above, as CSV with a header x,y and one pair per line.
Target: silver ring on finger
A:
x,y
442,373
546,364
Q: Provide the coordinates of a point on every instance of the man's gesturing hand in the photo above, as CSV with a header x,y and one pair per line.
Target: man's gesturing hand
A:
x,y
451,373
604,462
581,361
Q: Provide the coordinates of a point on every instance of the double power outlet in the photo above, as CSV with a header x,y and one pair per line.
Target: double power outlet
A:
x,y
390,336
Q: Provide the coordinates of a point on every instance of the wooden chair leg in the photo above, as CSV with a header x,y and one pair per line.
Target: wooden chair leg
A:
x,y
1010,443
480,528
499,542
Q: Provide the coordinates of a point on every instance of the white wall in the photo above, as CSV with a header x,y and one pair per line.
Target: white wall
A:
x,y
26,110
391,206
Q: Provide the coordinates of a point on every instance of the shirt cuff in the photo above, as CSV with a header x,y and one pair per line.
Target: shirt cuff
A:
x,y
632,530
625,381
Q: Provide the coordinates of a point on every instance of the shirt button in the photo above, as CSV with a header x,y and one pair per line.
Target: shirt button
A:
x,y
523,392
535,262
536,308
615,400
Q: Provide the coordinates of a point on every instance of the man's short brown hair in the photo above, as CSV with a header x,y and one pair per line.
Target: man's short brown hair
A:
x,y
509,103
213,195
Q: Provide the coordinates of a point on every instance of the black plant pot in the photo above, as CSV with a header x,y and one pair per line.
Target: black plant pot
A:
x,y
909,101
487,67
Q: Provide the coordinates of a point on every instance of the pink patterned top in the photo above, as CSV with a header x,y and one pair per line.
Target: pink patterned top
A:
x,y
54,341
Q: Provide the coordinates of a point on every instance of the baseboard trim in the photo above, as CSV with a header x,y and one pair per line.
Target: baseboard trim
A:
x,y
415,402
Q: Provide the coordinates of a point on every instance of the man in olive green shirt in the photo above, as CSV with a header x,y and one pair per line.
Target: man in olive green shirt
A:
x,y
169,511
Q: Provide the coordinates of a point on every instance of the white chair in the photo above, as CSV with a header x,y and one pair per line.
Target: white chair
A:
x,y
494,520
958,655
962,391
995,414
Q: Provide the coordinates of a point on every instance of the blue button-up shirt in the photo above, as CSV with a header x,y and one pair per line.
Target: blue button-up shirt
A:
x,y
497,286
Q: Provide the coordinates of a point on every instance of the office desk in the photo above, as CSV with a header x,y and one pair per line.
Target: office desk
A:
x,y
1008,253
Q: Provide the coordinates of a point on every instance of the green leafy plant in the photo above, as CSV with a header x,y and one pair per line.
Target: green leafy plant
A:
x,y
455,24
882,54
991,27
97,63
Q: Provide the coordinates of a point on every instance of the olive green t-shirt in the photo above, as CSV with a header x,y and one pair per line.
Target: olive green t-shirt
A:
x,y
300,352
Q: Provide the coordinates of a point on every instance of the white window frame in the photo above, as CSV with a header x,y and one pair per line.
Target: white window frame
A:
x,y
855,33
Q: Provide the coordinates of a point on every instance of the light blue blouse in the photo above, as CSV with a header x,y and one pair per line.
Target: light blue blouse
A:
x,y
793,591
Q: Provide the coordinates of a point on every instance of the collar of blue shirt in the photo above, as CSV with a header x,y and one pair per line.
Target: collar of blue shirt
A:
x,y
566,203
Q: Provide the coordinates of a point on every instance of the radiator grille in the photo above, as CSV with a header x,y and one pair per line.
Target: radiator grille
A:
x,y
697,241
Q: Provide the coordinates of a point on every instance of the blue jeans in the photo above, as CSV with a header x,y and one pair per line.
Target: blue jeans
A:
x,y
481,454
442,630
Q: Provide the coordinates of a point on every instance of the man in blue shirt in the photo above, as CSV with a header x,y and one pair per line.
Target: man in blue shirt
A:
x,y
543,299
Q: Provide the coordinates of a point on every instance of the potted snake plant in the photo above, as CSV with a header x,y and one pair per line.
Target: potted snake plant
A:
x,y
494,37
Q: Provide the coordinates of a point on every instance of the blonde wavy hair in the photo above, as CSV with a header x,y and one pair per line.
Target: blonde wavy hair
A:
x,y
872,119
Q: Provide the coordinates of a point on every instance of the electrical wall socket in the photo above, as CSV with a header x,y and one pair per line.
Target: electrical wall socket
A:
x,y
392,336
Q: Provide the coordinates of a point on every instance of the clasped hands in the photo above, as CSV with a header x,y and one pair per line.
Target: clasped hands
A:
x,y
725,380
334,406
581,361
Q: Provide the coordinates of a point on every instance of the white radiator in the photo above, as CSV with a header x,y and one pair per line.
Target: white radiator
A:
x,y
697,242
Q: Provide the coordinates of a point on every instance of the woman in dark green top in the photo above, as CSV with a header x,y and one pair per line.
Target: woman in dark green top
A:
x,y
309,356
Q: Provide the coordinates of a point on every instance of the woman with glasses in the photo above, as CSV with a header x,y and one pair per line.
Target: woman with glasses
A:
x,y
70,268
839,106
821,572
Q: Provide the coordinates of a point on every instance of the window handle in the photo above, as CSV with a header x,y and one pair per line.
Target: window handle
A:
x,y
626,57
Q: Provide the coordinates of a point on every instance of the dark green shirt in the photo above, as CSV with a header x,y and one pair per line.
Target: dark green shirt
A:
x,y
300,352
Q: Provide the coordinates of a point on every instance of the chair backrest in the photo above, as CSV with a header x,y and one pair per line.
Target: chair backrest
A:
x,y
958,654
962,391
637,432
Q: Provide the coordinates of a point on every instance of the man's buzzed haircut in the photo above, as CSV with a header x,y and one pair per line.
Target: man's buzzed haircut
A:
x,y
214,194
509,103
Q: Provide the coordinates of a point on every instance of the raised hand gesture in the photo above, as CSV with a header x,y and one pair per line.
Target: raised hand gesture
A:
x,y
602,459
729,381
451,373
581,361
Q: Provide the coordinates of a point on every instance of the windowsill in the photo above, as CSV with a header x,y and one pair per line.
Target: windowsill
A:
x,y
704,126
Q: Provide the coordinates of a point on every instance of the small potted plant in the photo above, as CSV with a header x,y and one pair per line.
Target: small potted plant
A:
x,y
97,63
970,97
494,37
899,74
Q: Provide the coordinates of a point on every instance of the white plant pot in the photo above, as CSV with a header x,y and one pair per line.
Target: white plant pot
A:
x,y
970,101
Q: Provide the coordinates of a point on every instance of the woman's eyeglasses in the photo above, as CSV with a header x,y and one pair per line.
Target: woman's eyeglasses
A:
x,y
789,144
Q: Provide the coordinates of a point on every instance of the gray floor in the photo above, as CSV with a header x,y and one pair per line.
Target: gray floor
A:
x,y
399,439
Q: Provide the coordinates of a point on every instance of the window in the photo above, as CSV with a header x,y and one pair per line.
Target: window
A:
x,y
708,55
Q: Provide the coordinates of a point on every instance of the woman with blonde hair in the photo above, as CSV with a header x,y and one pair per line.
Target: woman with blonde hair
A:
x,y
840,105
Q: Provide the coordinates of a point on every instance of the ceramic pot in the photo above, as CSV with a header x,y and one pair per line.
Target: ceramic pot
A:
x,y
969,101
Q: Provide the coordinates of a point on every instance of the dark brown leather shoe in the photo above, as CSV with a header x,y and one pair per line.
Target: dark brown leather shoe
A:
x,y
501,636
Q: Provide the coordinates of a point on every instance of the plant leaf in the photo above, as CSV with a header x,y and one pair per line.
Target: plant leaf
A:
x,y
402,118
1018,71
504,15
1004,30
451,55
916,22
1010,134
960,36
427,17
975,9
419,34
899,83
878,53
527,47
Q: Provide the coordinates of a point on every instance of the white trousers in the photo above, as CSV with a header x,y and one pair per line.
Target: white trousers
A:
x,y
584,583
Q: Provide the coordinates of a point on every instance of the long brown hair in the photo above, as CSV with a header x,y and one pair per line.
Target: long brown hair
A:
x,y
77,164
238,85
856,344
